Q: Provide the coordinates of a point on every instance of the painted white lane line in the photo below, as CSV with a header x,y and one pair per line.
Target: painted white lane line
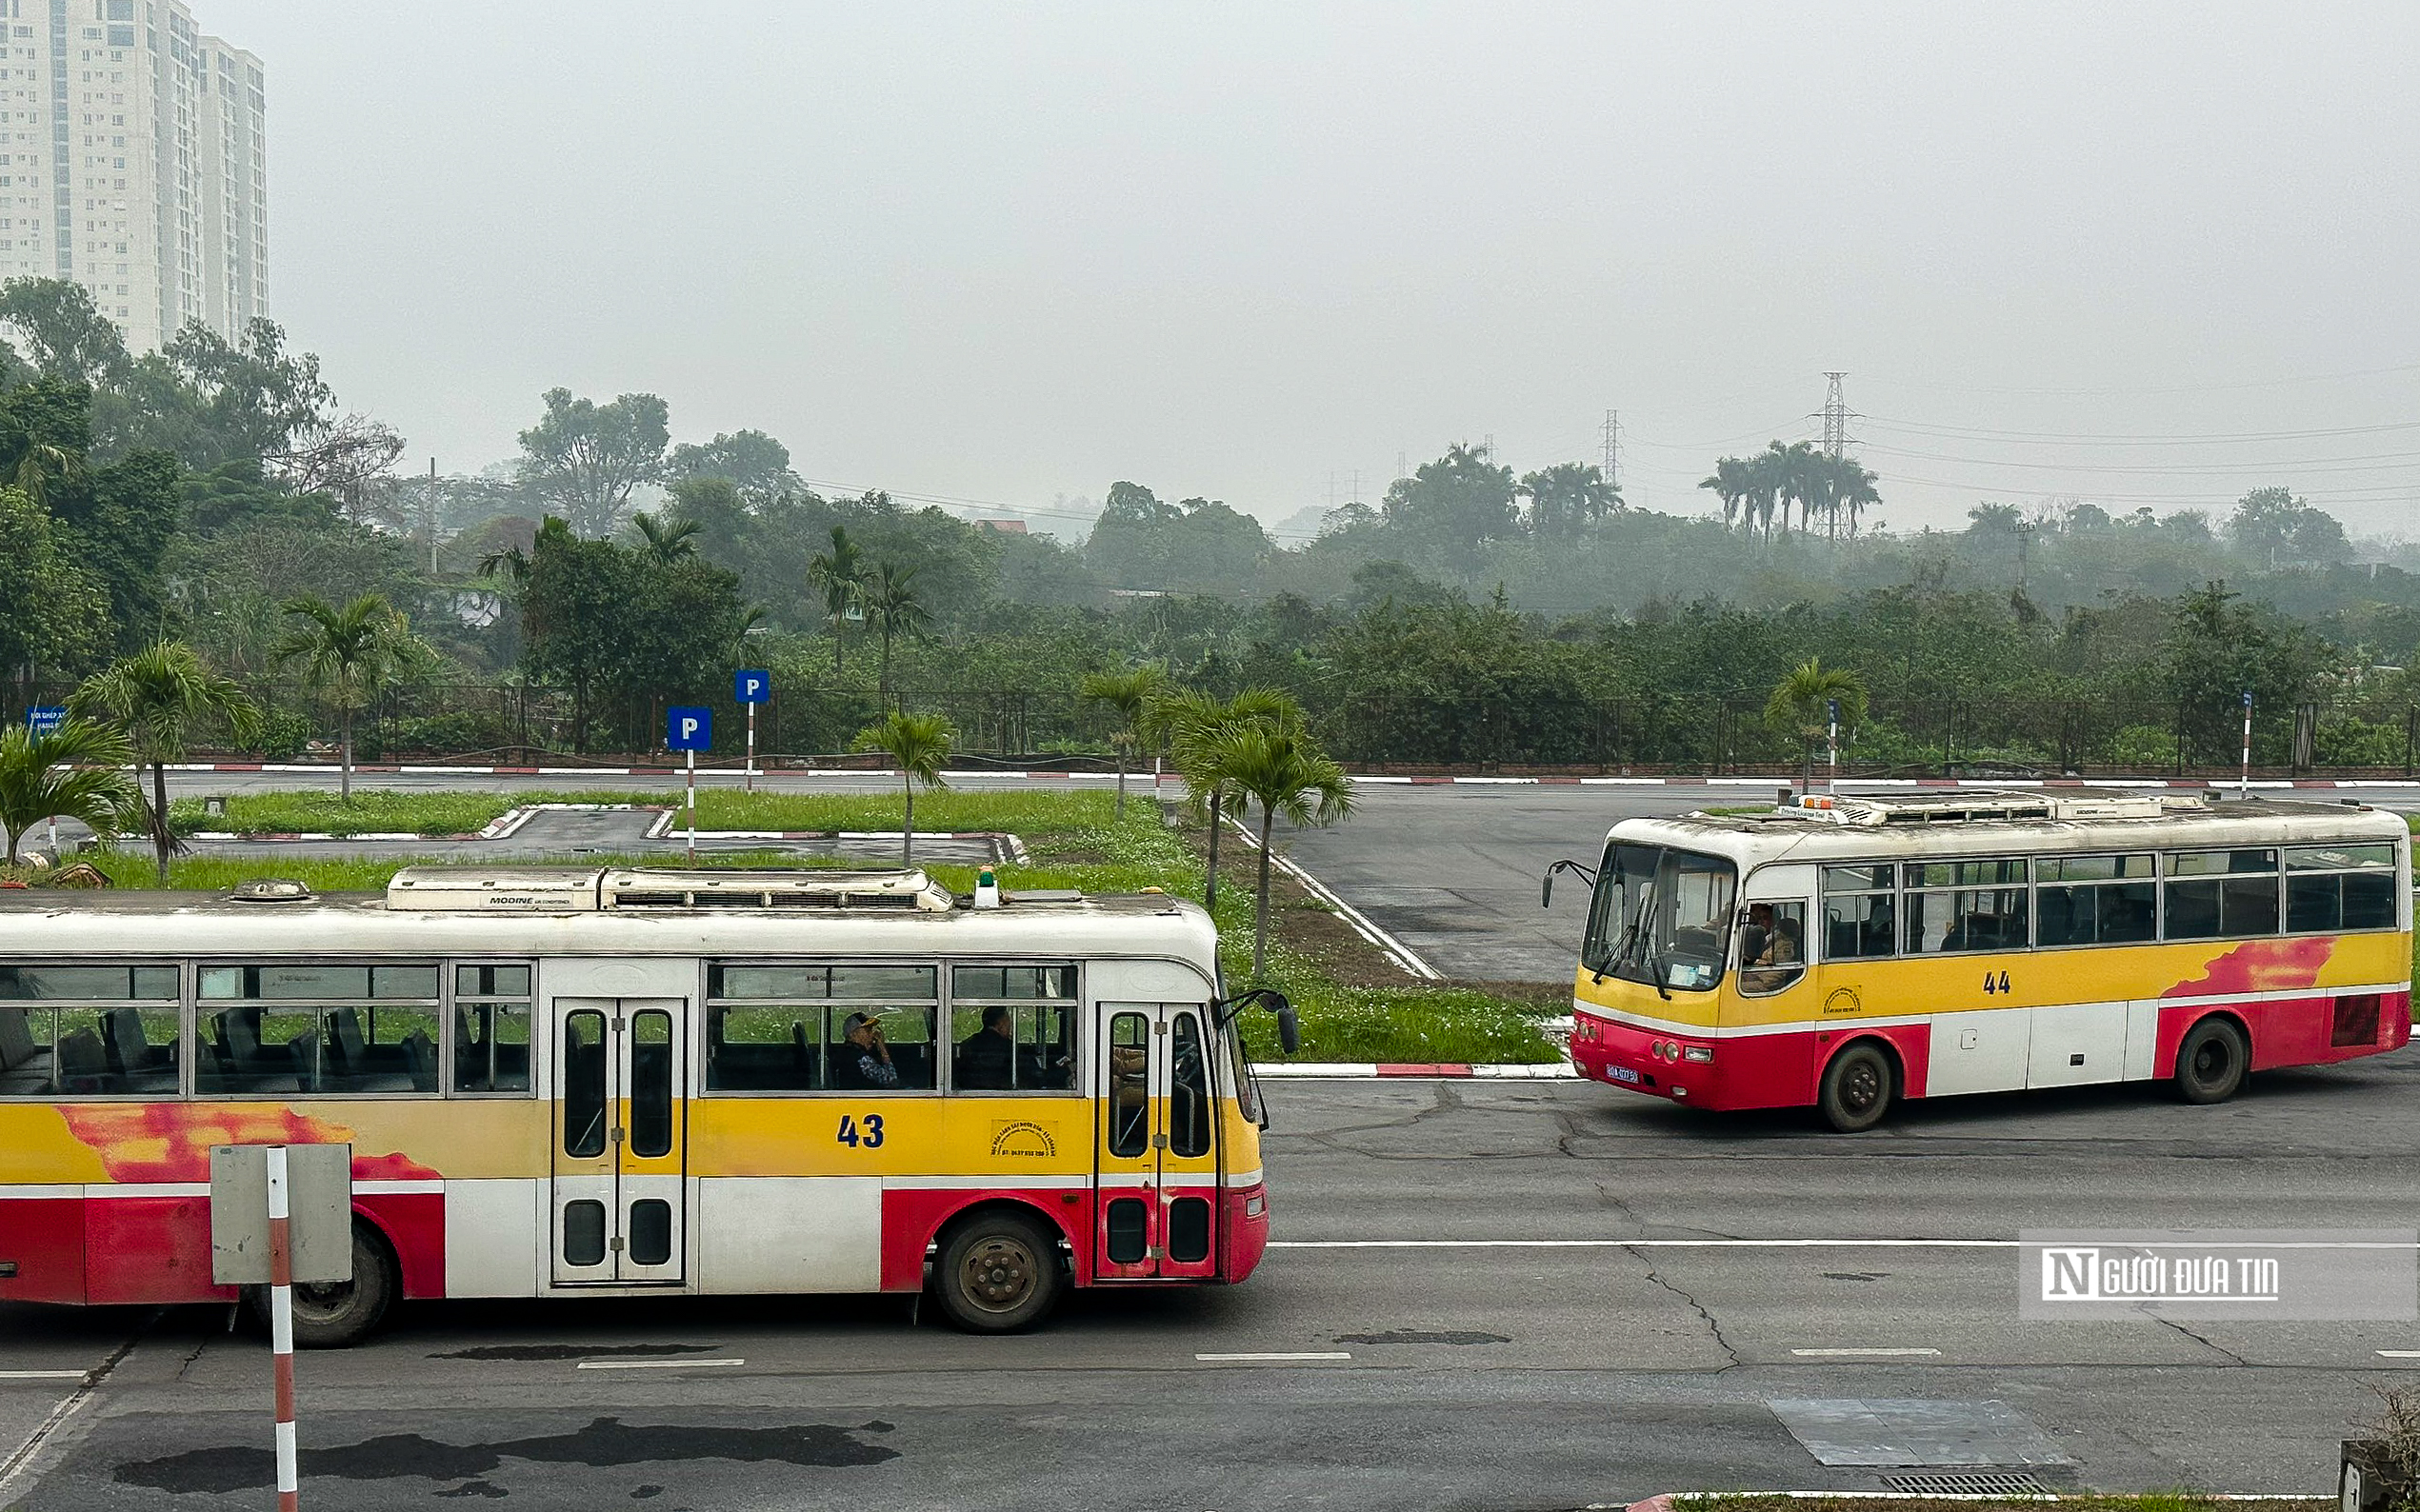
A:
x,y
1642,1244
1274,1357
43,1375
1360,923
2399,1354
1863,1354
657,1364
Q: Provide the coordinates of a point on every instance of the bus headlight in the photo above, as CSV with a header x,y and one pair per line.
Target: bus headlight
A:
x,y
1698,1052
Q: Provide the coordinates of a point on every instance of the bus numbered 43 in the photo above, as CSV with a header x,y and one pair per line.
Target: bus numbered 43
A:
x,y
1844,953
571,1082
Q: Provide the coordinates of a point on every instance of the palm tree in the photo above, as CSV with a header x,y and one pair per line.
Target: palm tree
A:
x,y
1857,492
1568,498
1766,488
157,696
1286,773
665,541
70,772
354,654
892,607
1129,695
1801,704
841,573
1195,725
1733,483
918,744
42,463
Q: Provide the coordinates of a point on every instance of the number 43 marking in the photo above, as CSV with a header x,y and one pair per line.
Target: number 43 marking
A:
x,y
1995,982
861,1134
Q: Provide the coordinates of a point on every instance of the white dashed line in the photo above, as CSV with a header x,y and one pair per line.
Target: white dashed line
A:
x,y
1274,1357
1863,1354
43,1375
2399,1354
657,1364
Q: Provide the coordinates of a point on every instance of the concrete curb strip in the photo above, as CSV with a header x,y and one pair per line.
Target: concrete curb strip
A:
x,y
1687,1500
1381,1070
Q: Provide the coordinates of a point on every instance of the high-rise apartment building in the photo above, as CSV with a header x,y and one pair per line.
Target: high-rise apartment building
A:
x,y
133,162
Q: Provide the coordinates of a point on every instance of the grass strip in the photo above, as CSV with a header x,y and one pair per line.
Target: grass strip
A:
x,y
1850,1501
1354,1005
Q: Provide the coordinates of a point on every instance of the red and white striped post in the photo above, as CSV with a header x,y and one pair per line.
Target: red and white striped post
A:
x,y
751,774
692,804
281,1325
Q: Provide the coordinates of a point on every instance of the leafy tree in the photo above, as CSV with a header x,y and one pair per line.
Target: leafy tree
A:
x,y
1286,772
1455,505
70,772
353,655
583,458
2270,525
893,609
1801,704
157,696
1129,695
840,573
61,330
917,745
121,521
751,461
53,610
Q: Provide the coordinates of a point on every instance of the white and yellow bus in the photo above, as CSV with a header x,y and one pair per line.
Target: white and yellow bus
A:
x,y
565,1081
1845,953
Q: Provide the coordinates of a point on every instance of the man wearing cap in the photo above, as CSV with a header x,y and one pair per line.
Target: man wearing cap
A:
x,y
873,1057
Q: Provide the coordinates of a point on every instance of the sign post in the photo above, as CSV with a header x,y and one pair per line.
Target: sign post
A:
x,y
2244,783
752,689
282,1214
689,730
1831,715
45,719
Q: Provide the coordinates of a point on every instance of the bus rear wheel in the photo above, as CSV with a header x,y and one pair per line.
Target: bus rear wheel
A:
x,y
2212,1061
1856,1089
998,1273
338,1314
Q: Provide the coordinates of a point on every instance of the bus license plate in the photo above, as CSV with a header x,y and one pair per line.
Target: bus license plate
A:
x,y
1622,1073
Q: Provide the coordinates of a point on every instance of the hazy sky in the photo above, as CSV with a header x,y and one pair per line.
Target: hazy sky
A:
x,y
1002,252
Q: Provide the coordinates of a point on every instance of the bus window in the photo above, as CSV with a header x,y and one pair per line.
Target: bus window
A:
x,y
1661,916
1013,1028
88,1030
1129,1087
652,1086
1957,910
1859,912
2213,893
1188,1113
2330,887
784,1026
583,1097
490,1030
310,1029
2094,900
1781,950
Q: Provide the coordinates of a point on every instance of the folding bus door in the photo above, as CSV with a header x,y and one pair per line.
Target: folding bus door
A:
x,y
1157,1162
619,1147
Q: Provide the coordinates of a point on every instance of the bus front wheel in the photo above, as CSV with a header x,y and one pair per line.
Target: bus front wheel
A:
x,y
335,1315
2212,1061
998,1273
1856,1089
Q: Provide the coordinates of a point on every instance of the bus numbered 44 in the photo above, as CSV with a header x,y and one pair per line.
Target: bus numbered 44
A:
x,y
565,1081
1845,953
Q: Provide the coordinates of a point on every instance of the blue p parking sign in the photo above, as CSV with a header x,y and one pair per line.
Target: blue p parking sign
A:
x,y
45,718
689,729
752,687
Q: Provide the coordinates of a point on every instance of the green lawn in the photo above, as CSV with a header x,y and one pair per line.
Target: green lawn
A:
x,y
1350,1010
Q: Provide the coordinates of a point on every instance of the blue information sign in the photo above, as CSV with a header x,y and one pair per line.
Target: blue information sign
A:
x,y
752,687
689,729
44,718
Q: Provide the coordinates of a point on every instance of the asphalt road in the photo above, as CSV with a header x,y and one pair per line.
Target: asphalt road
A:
x,y
1480,1370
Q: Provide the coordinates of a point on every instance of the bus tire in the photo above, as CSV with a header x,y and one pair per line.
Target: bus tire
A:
x,y
2213,1062
1857,1087
338,1315
998,1272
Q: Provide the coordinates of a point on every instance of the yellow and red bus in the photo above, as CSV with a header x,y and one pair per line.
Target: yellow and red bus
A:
x,y
571,1082
1844,953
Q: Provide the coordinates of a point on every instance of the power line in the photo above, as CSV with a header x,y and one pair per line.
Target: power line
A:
x,y
2105,439
2188,389
2372,462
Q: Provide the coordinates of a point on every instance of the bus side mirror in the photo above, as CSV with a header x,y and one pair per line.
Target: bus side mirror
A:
x,y
1289,1026
1546,890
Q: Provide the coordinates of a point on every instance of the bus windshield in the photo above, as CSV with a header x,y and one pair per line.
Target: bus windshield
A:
x,y
1660,916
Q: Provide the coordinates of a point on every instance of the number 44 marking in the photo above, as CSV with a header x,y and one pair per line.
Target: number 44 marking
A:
x,y
1995,982
861,1133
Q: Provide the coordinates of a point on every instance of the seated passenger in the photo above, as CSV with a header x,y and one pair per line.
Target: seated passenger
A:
x,y
1780,961
868,1054
986,1057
